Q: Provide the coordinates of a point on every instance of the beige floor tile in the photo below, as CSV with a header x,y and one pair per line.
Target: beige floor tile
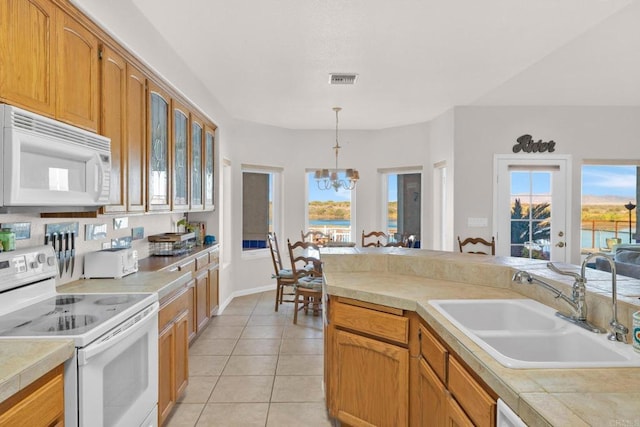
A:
x,y
268,319
302,331
297,414
244,388
297,388
229,332
184,415
301,364
249,347
206,365
238,310
266,309
199,389
251,365
302,346
212,346
230,320
234,415
272,331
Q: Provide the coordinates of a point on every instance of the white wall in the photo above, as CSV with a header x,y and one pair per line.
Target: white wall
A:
x,y
610,133
442,140
295,151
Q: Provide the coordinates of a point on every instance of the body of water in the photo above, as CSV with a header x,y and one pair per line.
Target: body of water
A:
x,y
342,223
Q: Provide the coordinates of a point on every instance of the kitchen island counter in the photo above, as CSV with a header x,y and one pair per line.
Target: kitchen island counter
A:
x,y
409,279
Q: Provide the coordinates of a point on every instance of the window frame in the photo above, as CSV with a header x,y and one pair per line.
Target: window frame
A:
x,y
383,174
277,205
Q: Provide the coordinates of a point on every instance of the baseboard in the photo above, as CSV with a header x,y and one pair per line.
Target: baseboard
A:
x,y
241,293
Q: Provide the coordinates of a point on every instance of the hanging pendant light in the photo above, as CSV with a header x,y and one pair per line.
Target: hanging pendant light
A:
x,y
328,178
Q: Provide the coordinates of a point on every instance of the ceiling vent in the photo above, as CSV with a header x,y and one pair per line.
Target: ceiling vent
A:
x,y
343,78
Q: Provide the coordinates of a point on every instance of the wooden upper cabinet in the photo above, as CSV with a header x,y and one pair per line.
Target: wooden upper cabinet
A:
x,y
158,154
209,168
196,163
113,124
136,139
27,60
77,73
180,153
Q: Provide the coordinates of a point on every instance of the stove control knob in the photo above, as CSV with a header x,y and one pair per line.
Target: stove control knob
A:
x,y
41,258
33,264
51,260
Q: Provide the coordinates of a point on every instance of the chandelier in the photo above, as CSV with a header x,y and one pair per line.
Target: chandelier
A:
x,y
327,180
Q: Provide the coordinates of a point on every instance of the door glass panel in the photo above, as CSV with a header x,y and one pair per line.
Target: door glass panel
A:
x,y
208,169
180,123
196,164
158,178
530,214
403,200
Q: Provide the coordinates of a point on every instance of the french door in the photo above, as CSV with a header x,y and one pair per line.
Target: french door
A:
x,y
532,204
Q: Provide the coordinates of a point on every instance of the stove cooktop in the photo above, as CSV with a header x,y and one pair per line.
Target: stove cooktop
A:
x,y
73,315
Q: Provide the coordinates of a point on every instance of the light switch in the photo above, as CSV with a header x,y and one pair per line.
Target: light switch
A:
x,y
477,222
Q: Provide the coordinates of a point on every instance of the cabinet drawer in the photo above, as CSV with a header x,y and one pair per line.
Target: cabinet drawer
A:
x,y
188,266
171,307
475,401
368,321
41,403
202,261
434,353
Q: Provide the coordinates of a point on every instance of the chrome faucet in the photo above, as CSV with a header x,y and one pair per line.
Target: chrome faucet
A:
x,y
576,301
618,331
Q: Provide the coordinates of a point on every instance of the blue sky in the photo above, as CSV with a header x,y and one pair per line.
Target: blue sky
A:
x,y
609,181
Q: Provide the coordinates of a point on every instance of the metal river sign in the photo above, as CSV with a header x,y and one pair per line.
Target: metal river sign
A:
x,y
528,145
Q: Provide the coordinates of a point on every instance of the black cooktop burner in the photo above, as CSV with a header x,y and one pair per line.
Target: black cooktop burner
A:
x,y
66,300
114,300
65,322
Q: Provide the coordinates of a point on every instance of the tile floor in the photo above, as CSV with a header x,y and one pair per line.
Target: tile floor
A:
x,y
253,367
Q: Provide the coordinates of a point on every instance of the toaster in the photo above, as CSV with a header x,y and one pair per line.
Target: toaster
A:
x,y
110,263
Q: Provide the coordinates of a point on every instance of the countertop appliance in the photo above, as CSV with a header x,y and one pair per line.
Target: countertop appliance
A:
x,y
110,263
112,379
47,163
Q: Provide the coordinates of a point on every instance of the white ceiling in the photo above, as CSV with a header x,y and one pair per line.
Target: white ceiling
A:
x,y
268,61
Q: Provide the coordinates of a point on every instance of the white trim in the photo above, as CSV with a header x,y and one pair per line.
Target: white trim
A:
x,y
241,293
541,159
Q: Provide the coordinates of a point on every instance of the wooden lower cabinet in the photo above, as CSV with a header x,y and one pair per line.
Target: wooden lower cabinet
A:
x,y
173,348
432,397
39,404
368,380
213,292
192,321
202,285
376,357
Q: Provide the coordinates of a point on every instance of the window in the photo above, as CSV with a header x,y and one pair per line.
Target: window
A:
x,y
330,211
607,190
402,205
259,206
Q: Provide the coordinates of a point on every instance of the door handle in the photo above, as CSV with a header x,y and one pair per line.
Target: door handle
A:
x,y
560,244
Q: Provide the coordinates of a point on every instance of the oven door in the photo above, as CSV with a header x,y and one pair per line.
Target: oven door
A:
x,y
118,374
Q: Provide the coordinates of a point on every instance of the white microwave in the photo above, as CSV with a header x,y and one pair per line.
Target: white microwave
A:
x,y
46,163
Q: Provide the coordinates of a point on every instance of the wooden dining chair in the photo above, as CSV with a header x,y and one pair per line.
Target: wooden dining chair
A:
x,y
314,236
307,275
372,239
284,276
477,241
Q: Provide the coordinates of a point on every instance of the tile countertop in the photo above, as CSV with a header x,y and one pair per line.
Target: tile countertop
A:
x,y
409,278
23,361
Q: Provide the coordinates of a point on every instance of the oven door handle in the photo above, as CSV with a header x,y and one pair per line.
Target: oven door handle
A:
x,y
121,332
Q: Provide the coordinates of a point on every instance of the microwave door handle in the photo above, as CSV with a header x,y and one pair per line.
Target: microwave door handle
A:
x,y
94,349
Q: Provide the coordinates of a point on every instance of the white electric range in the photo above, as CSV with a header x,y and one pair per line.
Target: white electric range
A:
x,y
112,379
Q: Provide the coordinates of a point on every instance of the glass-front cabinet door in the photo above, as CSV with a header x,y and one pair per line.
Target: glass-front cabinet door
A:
x,y
158,149
209,167
180,200
196,163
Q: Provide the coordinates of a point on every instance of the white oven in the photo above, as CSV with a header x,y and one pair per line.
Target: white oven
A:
x,y
112,379
118,374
